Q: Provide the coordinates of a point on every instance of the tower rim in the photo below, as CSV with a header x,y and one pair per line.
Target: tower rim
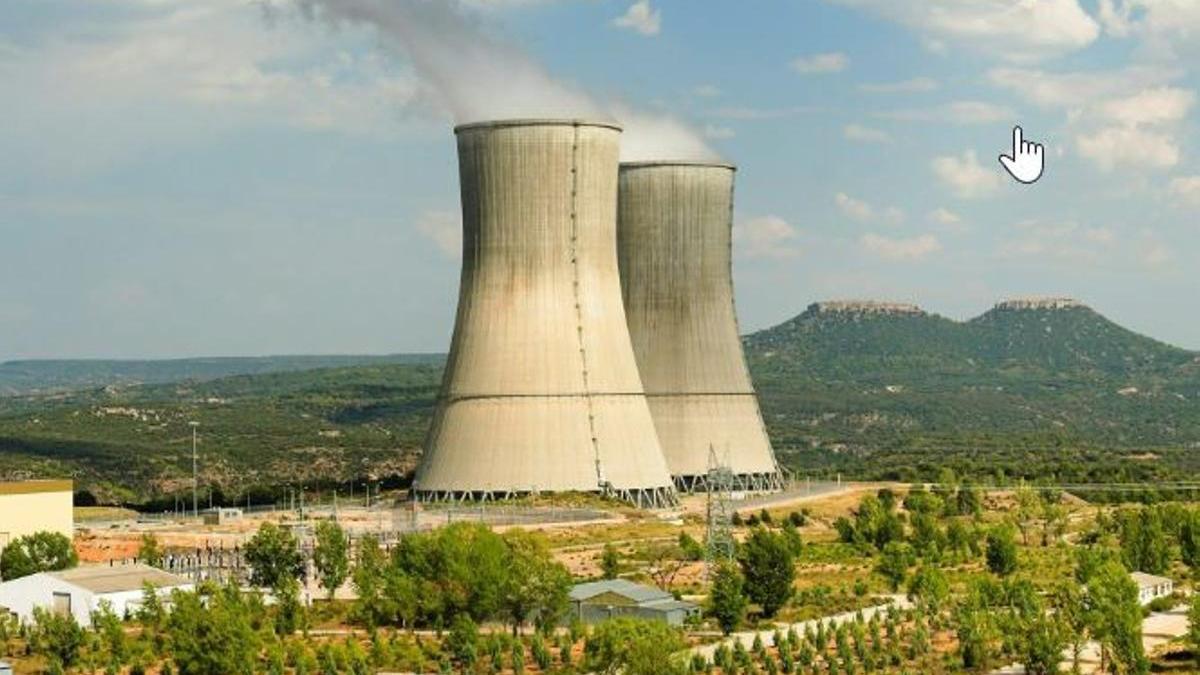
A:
x,y
536,122
699,163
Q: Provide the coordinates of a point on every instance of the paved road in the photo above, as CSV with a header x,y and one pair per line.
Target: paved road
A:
x,y
768,636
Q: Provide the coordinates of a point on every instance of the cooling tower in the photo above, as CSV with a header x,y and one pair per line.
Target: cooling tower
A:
x,y
541,391
674,236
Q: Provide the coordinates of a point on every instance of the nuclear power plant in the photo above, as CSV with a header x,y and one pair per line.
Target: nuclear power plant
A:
x,y
674,241
569,371
541,391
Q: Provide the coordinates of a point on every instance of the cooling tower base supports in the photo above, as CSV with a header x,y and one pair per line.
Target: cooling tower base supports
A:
x,y
652,498
742,482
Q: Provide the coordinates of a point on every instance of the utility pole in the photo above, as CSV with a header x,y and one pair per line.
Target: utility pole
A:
x,y
195,479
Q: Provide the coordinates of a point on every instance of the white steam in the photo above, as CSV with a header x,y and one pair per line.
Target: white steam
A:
x,y
472,76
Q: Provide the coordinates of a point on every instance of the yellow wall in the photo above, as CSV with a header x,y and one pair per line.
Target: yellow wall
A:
x,y
35,506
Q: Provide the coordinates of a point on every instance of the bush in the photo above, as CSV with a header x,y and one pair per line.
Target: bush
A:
x,y
37,552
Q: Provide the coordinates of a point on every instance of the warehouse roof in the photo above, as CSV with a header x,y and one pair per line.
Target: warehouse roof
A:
x,y
118,579
1144,580
636,592
27,487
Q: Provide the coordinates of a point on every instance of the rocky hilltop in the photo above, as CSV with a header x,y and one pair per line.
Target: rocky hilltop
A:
x,y
1036,303
864,307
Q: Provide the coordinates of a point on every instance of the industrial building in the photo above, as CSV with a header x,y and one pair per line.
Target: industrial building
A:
x,y
35,506
600,600
674,234
81,590
541,391
1152,587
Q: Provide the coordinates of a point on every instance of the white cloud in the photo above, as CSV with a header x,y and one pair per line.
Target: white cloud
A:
x,y
1059,240
862,211
957,112
1186,190
718,133
965,175
830,62
855,208
948,221
1078,89
899,248
192,73
1159,105
766,237
641,18
751,113
706,90
914,85
943,216
1018,30
861,134
1128,148
1160,23
1125,119
444,229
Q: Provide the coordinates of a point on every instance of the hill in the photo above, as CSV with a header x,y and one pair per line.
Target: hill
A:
x,y
1026,387
1031,388
52,376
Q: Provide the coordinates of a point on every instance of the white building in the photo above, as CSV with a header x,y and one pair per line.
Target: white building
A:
x,y
33,506
1151,587
80,591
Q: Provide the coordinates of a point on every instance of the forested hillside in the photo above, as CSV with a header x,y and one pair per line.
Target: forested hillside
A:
x,y
875,391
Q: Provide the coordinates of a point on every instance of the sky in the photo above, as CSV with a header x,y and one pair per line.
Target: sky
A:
x,y
230,177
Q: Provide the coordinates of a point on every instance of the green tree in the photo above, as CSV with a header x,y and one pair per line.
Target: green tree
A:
x,y
369,579
1115,619
727,597
535,585
1143,540
634,646
56,636
150,551
37,552
769,570
273,554
610,562
1189,539
894,562
692,550
1001,551
331,556
290,614
1194,625
463,641
211,632
110,633
929,587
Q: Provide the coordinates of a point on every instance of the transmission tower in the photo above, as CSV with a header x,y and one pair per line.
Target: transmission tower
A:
x,y
719,544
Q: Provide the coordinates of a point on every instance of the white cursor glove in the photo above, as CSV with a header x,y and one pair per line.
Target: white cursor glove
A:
x,y
1027,161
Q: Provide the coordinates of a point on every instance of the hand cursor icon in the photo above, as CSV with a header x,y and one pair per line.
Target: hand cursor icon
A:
x,y
1027,161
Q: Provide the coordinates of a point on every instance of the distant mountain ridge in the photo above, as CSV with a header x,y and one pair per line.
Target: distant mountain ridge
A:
x,y
24,377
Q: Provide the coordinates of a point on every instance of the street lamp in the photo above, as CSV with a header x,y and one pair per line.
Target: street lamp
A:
x,y
195,481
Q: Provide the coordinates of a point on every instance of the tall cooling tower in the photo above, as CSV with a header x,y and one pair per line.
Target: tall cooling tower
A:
x,y
674,238
541,391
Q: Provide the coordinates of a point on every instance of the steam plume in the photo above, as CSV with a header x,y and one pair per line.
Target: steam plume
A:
x,y
471,75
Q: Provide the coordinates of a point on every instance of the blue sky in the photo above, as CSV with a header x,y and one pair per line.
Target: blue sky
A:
x,y
218,178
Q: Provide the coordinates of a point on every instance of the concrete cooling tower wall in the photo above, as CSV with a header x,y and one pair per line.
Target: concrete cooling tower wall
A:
x,y
541,391
674,237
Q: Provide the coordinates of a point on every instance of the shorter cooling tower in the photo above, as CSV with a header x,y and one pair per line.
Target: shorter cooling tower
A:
x,y
674,237
541,391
